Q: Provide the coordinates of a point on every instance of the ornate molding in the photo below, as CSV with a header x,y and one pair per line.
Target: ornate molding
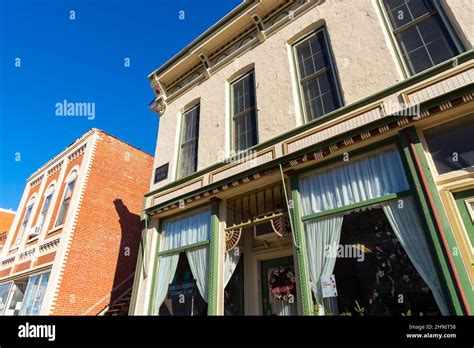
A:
x,y
77,153
49,245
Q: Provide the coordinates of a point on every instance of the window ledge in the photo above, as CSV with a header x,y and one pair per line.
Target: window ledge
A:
x,y
34,239
13,250
56,229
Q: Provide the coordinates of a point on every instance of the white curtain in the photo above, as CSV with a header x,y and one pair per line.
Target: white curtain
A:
x,y
178,233
167,265
231,259
407,227
199,262
352,182
322,240
185,231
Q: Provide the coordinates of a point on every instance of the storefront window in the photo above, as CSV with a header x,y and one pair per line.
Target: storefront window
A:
x,y
373,272
234,289
34,294
4,291
183,298
16,301
182,276
342,222
451,144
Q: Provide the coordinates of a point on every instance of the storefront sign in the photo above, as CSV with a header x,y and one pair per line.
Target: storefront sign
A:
x,y
328,284
186,288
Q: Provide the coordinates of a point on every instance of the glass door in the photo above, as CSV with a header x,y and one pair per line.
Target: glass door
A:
x,y
278,283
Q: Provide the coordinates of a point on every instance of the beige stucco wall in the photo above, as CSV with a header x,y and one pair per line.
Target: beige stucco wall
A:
x,y
365,64
461,14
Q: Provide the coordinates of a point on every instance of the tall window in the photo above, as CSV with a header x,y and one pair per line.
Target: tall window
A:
x,y
316,76
420,32
244,112
44,211
24,224
67,199
189,142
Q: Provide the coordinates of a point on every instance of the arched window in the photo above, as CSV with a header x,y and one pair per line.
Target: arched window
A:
x,y
21,233
71,181
47,202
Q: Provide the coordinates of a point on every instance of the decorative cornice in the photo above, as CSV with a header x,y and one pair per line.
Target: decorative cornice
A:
x,y
28,254
77,153
55,169
36,182
8,261
209,63
49,245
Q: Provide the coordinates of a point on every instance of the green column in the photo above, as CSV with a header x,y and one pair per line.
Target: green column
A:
x,y
449,286
213,259
306,298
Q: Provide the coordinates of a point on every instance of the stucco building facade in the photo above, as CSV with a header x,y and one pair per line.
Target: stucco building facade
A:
x,y
314,157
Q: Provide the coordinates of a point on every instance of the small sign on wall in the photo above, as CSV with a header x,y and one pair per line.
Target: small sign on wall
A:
x,y
328,284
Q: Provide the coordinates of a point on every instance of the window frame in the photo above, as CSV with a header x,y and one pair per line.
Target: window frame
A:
x,y
43,213
444,19
332,70
233,117
197,106
26,219
453,174
72,178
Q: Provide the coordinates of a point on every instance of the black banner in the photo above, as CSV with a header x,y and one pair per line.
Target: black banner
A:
x,y
287,331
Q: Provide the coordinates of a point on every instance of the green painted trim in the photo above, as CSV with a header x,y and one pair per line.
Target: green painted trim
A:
x,y
221,23
287,158
448,232
213,261
350,207
460,198
431,231
183,248
306,297
138,267
153,272
462,58
136,277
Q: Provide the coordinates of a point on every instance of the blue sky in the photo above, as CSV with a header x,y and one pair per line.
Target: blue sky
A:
x,y
82,60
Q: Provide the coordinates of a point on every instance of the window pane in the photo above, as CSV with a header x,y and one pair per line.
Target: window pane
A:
x,y
425,43
189,144
38,299
245,116
320,81
4,291
452,144
33,283
419,60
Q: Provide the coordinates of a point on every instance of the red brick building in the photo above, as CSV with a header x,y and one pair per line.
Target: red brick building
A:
x,y
73,244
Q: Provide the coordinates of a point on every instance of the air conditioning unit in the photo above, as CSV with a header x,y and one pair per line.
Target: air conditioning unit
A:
x,y
264,231
272,229
34,231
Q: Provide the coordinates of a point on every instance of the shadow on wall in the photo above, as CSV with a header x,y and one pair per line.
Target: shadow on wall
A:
x,y
130,228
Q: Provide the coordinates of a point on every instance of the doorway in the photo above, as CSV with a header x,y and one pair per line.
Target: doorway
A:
x,y
278,284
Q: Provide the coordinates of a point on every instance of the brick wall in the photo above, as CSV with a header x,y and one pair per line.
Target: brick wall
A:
x,y
104,245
